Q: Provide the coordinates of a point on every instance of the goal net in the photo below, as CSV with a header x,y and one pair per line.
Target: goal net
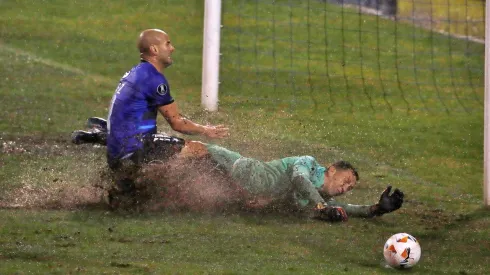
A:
x,y
353,55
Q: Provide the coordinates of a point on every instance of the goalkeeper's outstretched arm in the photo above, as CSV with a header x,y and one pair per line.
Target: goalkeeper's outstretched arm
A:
x,y
387,203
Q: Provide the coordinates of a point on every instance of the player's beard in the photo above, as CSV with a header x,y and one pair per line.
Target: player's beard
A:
x,y
168,62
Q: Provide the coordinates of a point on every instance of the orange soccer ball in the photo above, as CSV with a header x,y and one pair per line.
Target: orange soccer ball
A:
x,y
402,250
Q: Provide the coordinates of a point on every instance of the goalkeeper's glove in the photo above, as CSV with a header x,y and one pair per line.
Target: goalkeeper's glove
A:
x,y
330,213
388,203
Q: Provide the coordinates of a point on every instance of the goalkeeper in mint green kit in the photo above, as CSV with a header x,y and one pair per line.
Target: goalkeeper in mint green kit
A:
x,y
299,181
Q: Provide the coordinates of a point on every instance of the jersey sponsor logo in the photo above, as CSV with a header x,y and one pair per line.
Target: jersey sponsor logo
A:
x,y
162,89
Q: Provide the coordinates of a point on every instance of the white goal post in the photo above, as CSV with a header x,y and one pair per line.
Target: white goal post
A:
x,y
210,57
486,146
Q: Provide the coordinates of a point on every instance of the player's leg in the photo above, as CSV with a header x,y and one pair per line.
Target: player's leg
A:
x,y
97,132
123,192
91,136
223,157
130,182
193,149
125,178
97,122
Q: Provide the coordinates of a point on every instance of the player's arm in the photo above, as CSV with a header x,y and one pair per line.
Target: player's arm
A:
x,y
387,203
183,125
302,184
321,210
305,188
352,210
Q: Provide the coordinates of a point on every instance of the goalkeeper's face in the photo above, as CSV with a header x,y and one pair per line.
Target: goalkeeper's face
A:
x,y
338,181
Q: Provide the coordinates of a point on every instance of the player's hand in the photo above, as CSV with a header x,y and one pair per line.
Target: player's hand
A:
x,y
388,203
330,213
218,131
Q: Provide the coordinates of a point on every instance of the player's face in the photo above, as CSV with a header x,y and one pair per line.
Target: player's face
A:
x,y
337,181
165,50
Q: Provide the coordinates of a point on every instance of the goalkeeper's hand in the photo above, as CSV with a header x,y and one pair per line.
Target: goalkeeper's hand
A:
x,y
330,213
388,203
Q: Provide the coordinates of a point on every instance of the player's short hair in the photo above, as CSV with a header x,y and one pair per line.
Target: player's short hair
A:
x,y
345,165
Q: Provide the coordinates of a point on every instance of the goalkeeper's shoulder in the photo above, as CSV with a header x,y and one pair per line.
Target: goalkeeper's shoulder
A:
x,y
307,161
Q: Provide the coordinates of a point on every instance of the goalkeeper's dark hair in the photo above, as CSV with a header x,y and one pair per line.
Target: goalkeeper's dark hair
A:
x,y
345,165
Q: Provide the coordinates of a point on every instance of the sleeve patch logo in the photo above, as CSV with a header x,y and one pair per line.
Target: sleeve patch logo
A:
x,y
162,89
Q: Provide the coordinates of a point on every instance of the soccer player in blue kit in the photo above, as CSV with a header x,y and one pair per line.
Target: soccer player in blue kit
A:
x,y
142,93
130,131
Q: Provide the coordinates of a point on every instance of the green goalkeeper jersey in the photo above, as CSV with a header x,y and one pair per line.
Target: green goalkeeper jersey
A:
x,y
292,178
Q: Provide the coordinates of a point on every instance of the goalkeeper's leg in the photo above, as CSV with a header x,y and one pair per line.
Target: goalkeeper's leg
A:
x,y
220,156
193,149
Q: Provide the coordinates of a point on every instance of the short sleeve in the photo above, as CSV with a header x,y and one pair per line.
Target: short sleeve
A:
x,y
156,89
309,168
161,94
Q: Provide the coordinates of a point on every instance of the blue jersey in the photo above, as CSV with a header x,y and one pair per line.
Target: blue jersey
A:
x,y
134,108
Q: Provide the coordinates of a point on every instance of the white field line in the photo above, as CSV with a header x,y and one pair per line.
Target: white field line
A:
x,y
51,63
